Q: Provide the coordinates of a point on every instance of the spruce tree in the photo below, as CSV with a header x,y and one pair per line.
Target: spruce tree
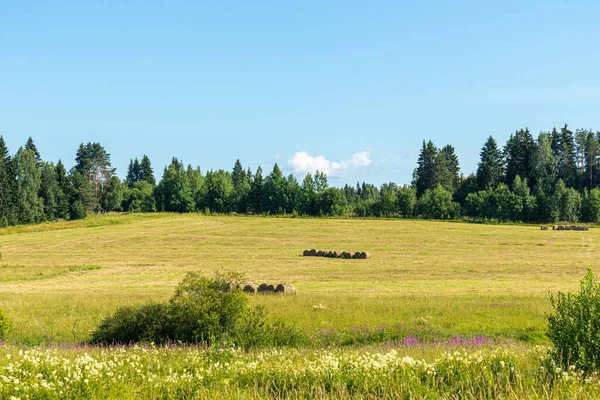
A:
x,y
257,192
31,146
8,187
241,188
62,210
131,177
174,192
518,153
591,153
146,171
568,166
275,191
447,169
50,191
28,175
490,170
424,174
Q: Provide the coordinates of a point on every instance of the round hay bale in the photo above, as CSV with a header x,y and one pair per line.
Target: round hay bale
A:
x,y
331,254
265,288
560,228
285,288
555,227
366,255
567,227
346,255
250,288
355,254
306,253
544,228
319,253
312,252
337,254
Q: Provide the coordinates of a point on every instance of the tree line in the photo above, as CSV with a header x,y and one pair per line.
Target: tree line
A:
x,y
554,177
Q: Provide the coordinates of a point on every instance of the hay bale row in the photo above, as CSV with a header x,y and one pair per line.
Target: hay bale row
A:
x,y
570,228
337,254
267,288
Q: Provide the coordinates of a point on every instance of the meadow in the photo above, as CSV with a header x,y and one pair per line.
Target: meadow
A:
x,y
441,310
57,280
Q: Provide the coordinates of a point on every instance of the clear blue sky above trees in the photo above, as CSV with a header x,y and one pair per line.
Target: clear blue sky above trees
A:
x,y
215,81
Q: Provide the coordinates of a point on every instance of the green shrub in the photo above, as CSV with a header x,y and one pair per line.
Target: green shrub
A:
x,y
202,310
207,309
4,326
140,323
574,326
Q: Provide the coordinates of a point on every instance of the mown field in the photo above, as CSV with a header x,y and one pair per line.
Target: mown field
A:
x,y
441,310
57,280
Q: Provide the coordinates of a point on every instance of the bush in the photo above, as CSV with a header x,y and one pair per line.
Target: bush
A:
x,y
140,323
574,326
202,310
4,325
205,309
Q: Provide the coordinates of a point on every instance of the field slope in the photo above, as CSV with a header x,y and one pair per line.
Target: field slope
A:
x,y
58,279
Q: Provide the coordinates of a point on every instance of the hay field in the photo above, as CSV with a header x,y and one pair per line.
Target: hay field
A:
x,y
58,279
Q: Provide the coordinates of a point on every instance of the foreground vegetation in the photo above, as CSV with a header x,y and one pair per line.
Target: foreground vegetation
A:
x,y
459,371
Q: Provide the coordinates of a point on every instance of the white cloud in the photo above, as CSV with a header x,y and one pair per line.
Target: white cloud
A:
x,y
302,163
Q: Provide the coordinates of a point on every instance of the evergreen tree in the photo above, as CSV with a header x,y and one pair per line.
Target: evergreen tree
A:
x,y
31,146
50,191
590,154
219,189
320,180
133,172
62,201
424,174
518,152
29,179
82,197
8,187
447,169
257,192
241,188
293,195
490,170
308,198
93,162
568,166
146,171
174,192
275,192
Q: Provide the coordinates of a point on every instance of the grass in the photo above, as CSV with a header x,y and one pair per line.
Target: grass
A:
x,y
447,372
465,279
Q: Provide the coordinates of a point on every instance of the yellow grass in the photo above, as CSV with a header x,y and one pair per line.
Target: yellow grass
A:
x,y
465,278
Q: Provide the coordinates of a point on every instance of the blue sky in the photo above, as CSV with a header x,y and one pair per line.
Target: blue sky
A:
x,y
349,86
